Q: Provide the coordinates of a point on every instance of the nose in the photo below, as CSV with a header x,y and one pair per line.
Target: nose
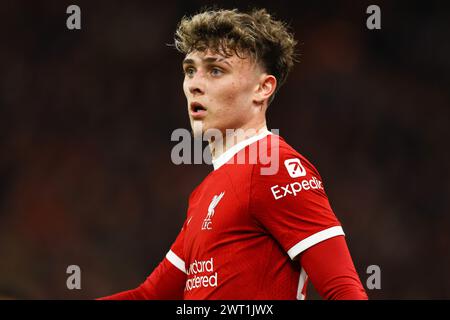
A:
x,y
196,85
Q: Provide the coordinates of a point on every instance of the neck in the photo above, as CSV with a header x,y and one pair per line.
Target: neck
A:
x,y
231,138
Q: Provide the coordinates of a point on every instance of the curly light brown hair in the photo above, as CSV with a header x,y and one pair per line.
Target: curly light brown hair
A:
x,y
256,34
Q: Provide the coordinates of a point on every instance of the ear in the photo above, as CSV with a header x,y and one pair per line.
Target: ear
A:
x,y
265,88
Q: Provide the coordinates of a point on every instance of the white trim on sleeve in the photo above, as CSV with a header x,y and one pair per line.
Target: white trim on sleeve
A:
x,y
315,239
176,261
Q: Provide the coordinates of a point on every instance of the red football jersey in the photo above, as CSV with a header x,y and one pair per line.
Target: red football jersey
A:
x,y
245,227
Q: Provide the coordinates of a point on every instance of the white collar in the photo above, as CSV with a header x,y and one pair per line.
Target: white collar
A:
x,y
227,155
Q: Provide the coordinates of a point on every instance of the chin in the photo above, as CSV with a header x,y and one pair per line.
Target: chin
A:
x,y
197,128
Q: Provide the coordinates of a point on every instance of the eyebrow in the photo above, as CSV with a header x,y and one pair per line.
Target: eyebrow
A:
x,y
207,60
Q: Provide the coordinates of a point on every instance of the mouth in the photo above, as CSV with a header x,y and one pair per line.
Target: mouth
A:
x,y
197,110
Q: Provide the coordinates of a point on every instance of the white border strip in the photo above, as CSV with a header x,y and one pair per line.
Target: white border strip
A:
x,y
176,261
227,155
315,239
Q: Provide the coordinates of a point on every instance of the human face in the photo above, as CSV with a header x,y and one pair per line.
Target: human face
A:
x,y
220,91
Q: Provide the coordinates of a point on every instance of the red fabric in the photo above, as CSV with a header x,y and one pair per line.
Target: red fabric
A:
x,y
291,206
330,268
166,282
238,213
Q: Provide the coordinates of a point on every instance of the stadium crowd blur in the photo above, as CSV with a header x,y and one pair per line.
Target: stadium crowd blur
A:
x,y
86,117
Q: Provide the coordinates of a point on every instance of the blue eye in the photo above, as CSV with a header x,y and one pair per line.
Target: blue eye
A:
x,y
216,72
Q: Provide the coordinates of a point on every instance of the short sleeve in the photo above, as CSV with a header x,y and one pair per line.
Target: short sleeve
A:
x,y
292,205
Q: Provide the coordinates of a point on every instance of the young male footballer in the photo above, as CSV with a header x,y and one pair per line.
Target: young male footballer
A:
x,y
248,233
